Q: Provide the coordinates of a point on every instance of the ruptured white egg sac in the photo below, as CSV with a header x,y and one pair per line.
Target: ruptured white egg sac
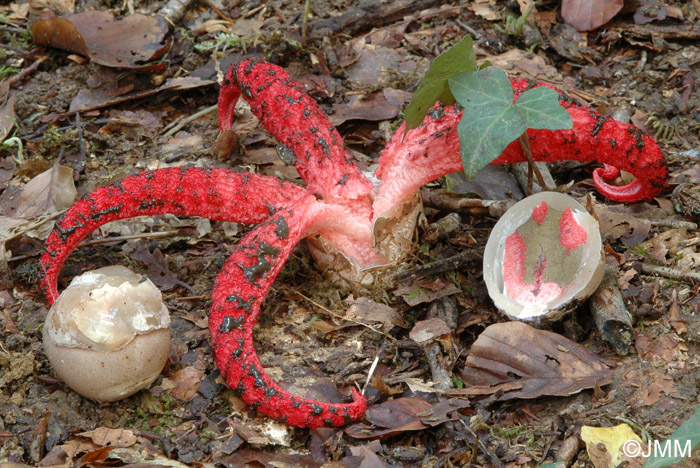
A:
x,y
108,334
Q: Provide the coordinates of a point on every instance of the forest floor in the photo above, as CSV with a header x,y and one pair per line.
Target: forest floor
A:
x,y
361,62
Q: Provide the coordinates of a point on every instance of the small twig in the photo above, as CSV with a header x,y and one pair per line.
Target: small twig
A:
x,y
305,20
109,240
81,142
340,317
24,53
473,206
372,368
674,224
439,266
104,240
493,458
670,273
189,119
26,71
525,145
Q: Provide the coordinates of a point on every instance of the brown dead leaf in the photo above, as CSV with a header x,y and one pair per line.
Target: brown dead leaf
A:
x,y
616,224
486,9
367,455
391,418
7,116
7,169
366,310
52,190
425,331
421,291
59,7
380,105
524,362
125,43
158,270
444,411
662,350
133,124
105,436
650,10
649,385
250,457
527,65
586,15
114,89
184,383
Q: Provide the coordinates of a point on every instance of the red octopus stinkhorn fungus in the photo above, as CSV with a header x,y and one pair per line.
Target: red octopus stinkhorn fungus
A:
x,y
340,207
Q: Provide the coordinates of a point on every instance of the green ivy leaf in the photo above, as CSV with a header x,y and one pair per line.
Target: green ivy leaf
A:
x,y
491,121
458,59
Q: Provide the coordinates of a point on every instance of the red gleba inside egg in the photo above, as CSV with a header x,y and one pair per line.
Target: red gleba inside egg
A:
x,y
543,257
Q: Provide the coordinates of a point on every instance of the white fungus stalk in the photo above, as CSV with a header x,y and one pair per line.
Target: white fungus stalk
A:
x,y
108,334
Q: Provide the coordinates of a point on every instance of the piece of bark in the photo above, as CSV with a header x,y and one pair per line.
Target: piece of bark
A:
x,y
369,14
612,319
521,169
441,360
474,206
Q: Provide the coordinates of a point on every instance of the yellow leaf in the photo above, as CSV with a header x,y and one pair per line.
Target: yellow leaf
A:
x,y
605,444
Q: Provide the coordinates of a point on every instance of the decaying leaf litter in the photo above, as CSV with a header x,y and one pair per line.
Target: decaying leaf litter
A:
x,y
636,76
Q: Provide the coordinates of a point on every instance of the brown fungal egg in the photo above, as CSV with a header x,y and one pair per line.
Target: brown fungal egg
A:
x,y
543,257
108,334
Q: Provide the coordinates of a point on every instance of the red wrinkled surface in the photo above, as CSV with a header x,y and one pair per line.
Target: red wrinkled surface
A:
x,y
338,203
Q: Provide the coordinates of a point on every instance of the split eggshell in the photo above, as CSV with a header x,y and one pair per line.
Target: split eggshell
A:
x,y
107,336
562,276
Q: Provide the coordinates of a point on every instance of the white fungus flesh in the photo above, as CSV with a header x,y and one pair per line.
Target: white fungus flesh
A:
x,y
543,257
108,334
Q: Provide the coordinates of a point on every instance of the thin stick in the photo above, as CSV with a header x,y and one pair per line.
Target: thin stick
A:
x,y
525,145
305,20
189,119
25,72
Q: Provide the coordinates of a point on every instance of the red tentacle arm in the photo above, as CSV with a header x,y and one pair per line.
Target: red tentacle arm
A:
x,y
294,119
217,194
238,294
432,150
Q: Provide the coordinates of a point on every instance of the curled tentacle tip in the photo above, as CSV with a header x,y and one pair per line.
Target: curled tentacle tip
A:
x,y
634,191
608,172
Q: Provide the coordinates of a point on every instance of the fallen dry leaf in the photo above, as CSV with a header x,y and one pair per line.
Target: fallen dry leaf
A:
x,y
367,455
105,436
586,15
59,7
425,331
184,383
421,291
524,362
158,270
391,418
605,444
380,105
125,43
7,116
367,311
52,190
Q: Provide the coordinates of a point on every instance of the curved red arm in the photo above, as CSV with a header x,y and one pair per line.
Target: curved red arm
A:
x,y
432,150
294,119
238,294
217,194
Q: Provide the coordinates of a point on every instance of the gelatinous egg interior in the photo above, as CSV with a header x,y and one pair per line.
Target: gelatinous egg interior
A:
x,y
543,257
108,334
